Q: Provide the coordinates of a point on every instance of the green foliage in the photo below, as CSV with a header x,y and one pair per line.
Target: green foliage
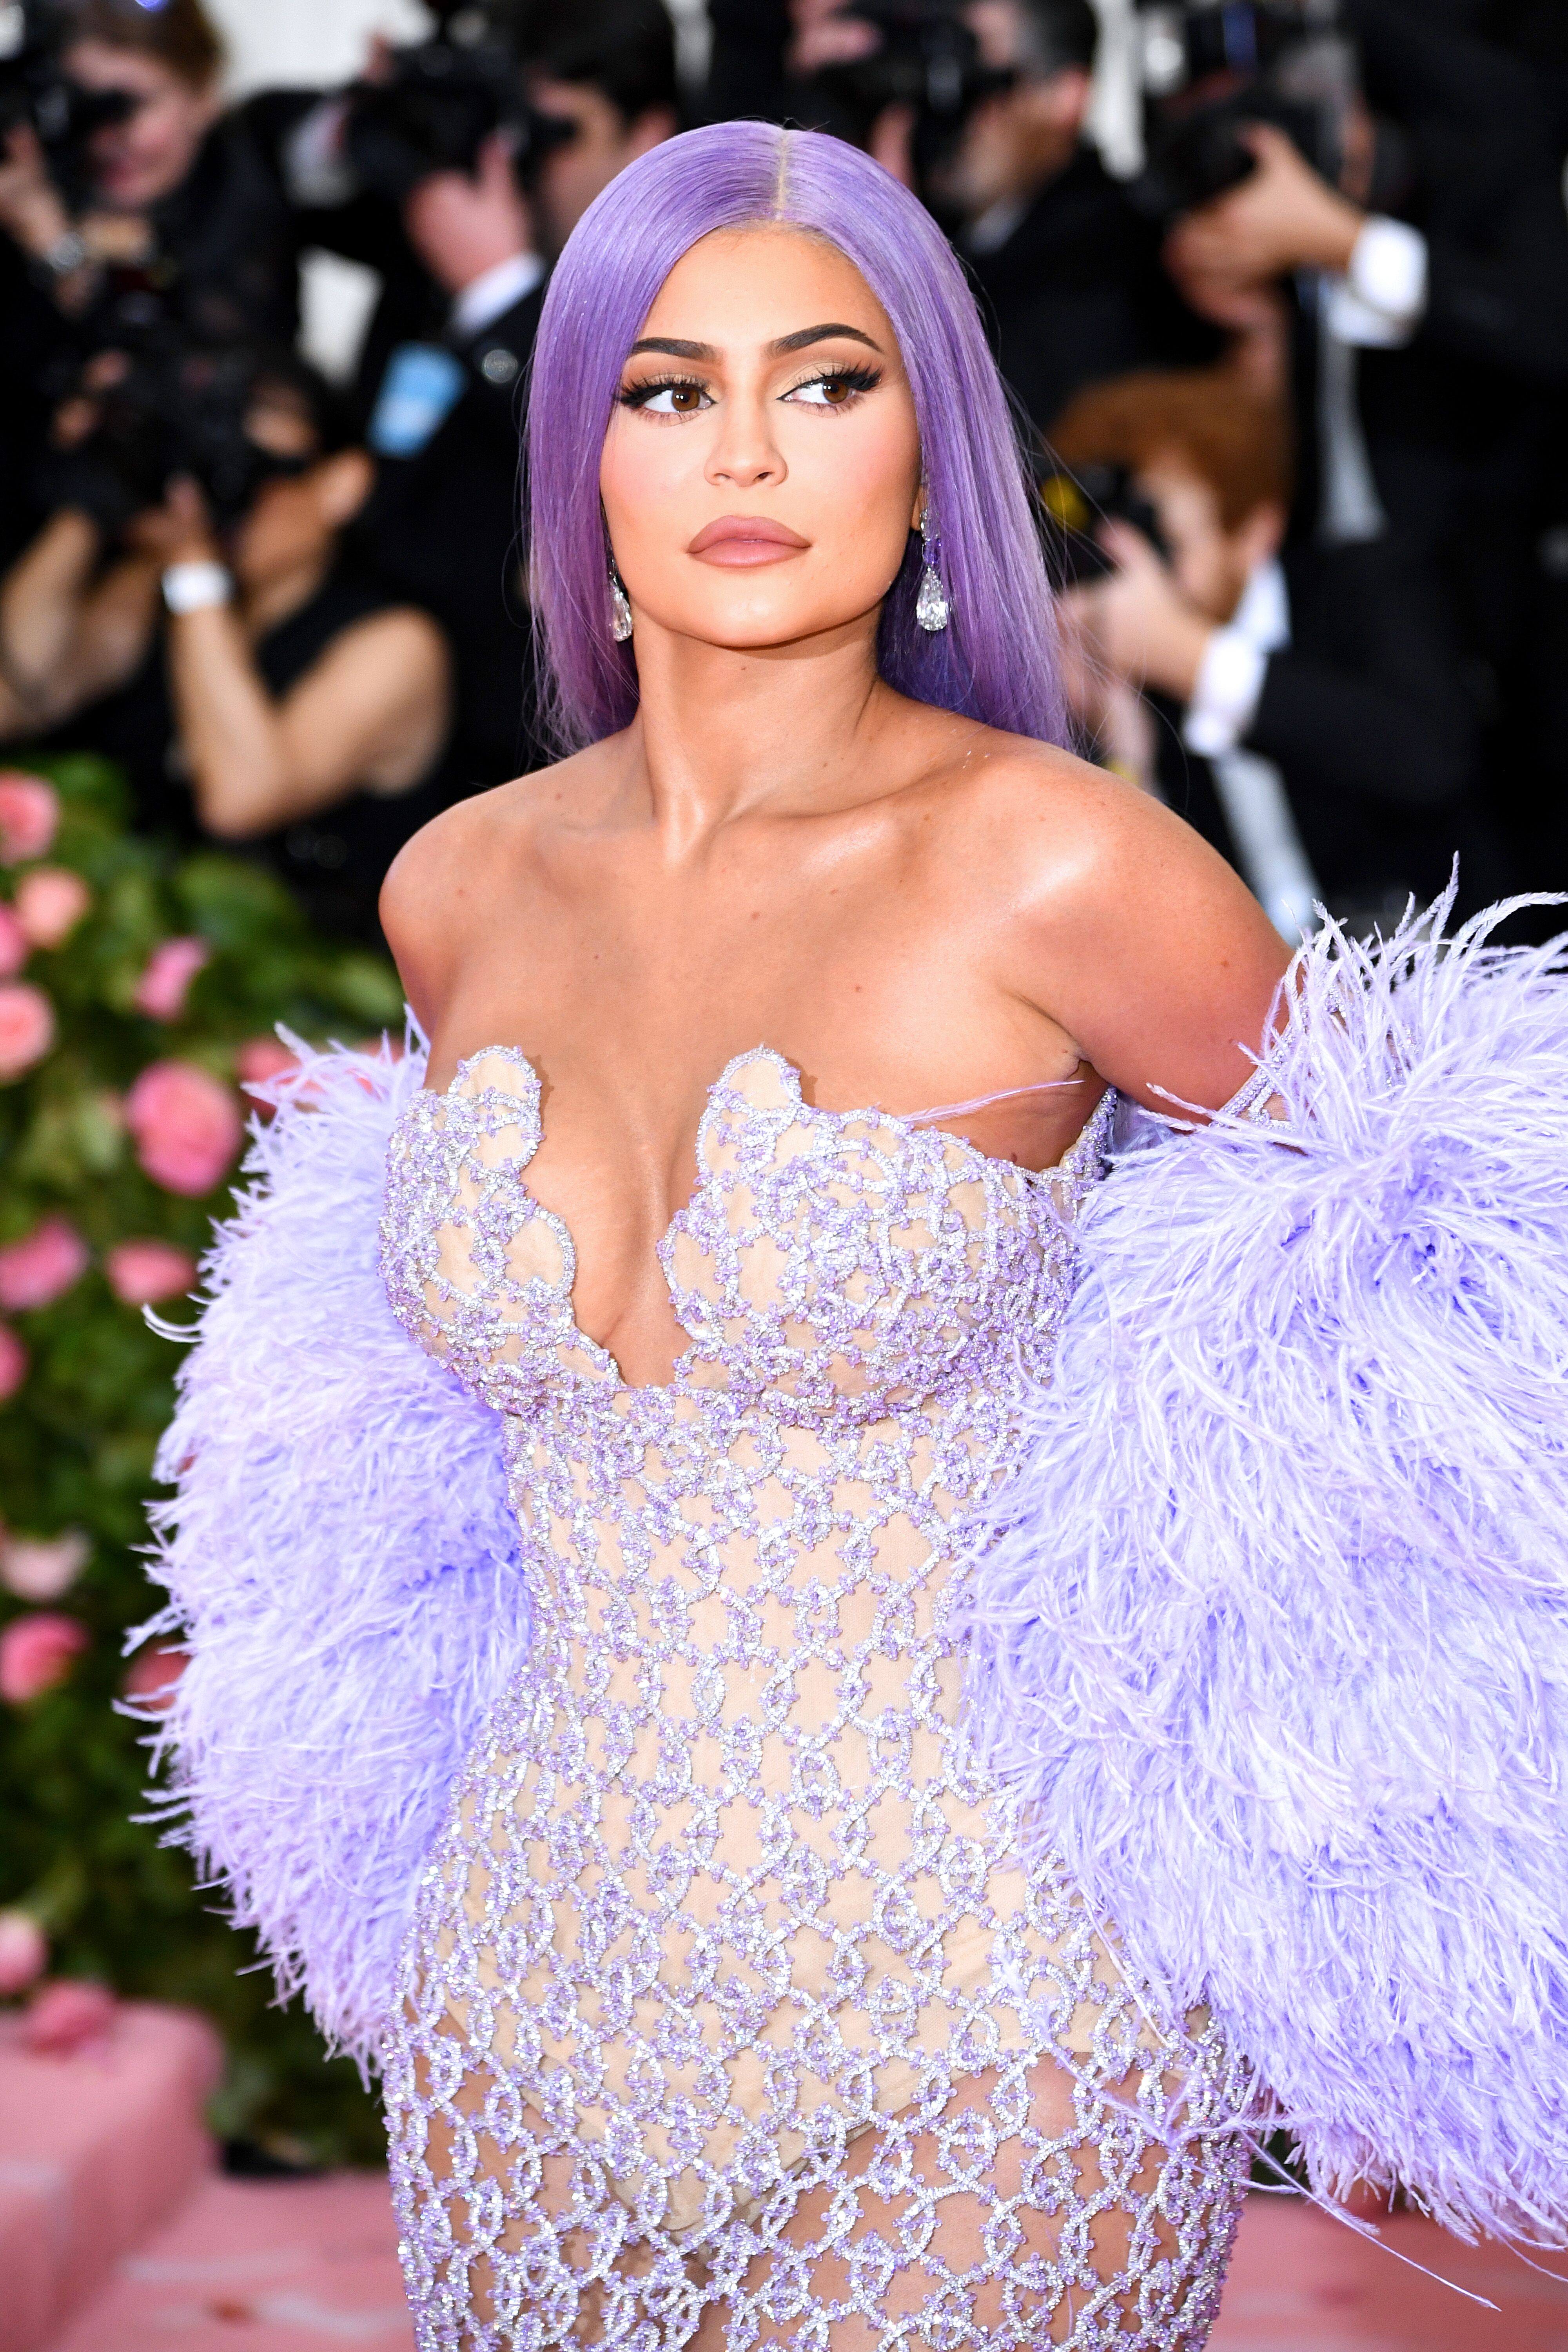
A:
x,y
77,1438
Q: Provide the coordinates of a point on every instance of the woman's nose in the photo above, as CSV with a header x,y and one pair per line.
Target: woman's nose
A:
x,y
744,453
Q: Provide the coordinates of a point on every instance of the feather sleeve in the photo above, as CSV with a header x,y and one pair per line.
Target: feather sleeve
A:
x,y
341,1559
1271,1630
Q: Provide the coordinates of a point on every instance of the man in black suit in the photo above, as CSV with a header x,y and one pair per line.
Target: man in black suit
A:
x,y
1069,273
1311,713
1432,352
446,362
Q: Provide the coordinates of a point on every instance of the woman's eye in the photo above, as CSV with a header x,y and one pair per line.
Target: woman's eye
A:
x,y
834,391
667,399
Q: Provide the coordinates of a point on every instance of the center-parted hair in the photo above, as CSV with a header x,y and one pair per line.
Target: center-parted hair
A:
x,y
994,661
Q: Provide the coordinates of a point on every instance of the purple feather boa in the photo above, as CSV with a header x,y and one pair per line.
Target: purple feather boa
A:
x,y
341,1559
1271,1627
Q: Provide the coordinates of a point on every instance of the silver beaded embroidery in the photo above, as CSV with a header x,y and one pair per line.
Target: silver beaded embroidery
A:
x,y
728,2003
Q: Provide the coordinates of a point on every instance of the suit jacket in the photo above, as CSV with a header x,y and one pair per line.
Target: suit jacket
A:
x,y
1368,716
445,530
1077,293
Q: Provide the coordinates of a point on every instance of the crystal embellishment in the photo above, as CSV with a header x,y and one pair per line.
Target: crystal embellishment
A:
x,y
731,1981
932,610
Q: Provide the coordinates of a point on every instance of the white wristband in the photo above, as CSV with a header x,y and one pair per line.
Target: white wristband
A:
x,y
192,587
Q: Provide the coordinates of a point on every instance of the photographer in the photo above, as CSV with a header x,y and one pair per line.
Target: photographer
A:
x,y
1431,279
1311,715
606,72
1070,272
450,347
309,707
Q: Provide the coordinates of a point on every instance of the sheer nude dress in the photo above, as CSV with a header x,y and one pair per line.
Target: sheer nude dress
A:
x,y
732,2012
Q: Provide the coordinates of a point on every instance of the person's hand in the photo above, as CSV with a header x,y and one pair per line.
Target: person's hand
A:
x,y
1283,217
179,531
827,33
460,227
31,207
1136,622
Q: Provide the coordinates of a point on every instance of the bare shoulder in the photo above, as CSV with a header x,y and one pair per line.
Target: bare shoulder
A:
x,y
440,886
1075,839
1054,819
1102,908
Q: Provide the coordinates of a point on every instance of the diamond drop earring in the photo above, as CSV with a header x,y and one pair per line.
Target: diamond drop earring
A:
x,y
620,607
932,608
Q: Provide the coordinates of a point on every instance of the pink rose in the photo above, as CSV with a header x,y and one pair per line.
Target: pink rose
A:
x,y
140,1272
185,1125
40,1567
13,1362
152,1673
37,1271
67,2016
50,902
36,1653
162,988
29,816
261,1059
26,1027
13,943
22,1952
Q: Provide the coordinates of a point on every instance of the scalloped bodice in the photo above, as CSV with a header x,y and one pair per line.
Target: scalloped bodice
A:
x,y
848,1261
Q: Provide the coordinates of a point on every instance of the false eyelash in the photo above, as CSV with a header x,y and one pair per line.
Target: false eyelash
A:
x,y
634,395
859,379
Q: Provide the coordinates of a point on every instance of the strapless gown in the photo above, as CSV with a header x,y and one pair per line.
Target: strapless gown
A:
x,y
737,2004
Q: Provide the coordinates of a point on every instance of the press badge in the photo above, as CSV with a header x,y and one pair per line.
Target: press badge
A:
x,y
418,392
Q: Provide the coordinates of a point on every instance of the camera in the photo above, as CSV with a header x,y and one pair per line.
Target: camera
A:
x,y
928,59
1209,66
36,94
1072,506
439,103
165,404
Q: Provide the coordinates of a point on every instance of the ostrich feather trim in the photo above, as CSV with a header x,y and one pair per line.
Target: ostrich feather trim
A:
x,y
340,1556
1271,1629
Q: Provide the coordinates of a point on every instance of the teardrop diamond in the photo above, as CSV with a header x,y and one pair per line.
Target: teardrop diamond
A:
x,y
932,610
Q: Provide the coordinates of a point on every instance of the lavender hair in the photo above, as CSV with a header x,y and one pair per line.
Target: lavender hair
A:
x,y
993,662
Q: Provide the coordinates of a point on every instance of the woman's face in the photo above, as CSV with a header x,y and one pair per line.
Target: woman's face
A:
x,y
138,162
760,473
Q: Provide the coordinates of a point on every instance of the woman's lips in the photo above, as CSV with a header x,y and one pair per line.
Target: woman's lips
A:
x,y
740,540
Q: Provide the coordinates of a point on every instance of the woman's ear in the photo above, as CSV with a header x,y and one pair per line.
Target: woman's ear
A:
x,y
343,482
921,495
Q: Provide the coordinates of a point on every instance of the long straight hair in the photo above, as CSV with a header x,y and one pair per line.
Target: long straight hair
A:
x,y
993,662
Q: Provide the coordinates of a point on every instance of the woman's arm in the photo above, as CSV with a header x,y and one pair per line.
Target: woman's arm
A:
x,y
371,713
66,636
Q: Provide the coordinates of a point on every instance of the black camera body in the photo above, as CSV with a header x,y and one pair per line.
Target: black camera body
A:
x,y
439,103
1072,506
928,59
35,93
177,406
1210,67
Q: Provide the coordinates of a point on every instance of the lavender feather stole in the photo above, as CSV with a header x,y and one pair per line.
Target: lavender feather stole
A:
x,y
341,1559
1272,1628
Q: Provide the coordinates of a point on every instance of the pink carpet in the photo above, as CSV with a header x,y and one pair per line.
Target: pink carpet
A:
x,y
312,2267
95,2150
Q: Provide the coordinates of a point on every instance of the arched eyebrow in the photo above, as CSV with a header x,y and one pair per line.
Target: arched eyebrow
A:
x,y
675,347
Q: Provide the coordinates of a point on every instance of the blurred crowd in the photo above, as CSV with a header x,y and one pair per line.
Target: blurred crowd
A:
x,y
1295,385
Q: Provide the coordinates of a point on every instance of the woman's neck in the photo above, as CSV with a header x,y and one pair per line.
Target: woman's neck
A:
x,y
719,732
272,601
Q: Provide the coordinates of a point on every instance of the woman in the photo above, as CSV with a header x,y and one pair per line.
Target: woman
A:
x,y
772,1040
256,679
